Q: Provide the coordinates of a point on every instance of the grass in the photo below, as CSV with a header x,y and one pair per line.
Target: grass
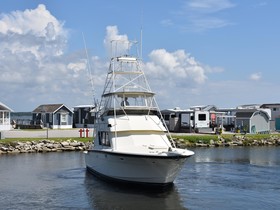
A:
x,y
188,138
227,137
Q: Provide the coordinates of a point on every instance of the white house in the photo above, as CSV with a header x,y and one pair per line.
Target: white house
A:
x,y
5,117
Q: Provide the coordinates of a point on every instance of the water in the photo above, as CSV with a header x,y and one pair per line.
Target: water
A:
x,y
215,178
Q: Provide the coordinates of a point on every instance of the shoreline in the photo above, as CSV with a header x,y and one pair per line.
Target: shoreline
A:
x,y
227,140
31,145
43,146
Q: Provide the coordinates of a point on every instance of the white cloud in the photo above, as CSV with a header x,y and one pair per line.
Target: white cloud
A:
x,y
201,15
33,64
35,69
33,31
112,35
171,75
256,76
208,6
77,67
37,21
177,67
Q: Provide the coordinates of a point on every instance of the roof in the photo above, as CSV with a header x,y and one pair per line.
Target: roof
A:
x,y
3,107
176,110
249,106
270,105
50,108
210,108
84,106
248,113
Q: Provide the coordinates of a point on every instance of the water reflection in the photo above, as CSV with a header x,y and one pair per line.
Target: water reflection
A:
x,y
103,195
242,155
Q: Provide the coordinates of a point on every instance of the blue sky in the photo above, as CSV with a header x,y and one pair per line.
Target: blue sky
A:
x,y
195,52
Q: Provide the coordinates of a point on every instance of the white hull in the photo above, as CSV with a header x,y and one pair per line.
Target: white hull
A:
x,y
145,169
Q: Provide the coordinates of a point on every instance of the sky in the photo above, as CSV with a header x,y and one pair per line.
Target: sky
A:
x,y
195,52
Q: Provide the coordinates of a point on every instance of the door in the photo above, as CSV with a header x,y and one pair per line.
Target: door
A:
x,y
277,124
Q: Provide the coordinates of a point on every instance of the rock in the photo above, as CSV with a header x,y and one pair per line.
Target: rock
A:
x,y
201,145
14,151
69,148
56,145
46,149
74,144
5,149
65,143
23,151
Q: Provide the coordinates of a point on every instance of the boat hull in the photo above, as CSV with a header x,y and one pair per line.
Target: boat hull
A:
x,y
142,169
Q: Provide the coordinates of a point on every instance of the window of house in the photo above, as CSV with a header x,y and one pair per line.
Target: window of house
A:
x,y
166,117
63,118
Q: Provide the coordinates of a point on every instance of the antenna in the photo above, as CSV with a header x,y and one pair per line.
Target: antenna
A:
x,y
141,34
89,71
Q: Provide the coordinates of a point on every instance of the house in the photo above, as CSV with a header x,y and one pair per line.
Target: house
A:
x,y
22,120
53,116
275,115
224,117
179,120
84,116
253,120
172,119
5,117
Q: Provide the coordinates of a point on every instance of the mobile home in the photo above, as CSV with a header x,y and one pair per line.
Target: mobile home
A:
x,y
178,120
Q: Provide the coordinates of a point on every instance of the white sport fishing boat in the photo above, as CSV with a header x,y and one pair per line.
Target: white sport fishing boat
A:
x,y
131,142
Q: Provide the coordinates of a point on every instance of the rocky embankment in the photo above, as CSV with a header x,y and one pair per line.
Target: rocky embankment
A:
x,y
74,145
243,140
43,146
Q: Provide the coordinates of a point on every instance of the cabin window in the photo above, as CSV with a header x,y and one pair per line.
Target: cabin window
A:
x,y
104,138
202,117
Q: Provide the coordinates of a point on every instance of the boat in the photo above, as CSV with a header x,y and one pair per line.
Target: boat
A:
x,y
132,143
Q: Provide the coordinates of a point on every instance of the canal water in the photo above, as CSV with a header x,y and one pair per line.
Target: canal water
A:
x,y
215,178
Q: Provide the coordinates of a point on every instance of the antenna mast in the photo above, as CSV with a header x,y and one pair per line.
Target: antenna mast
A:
x,y
89,71
141,34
